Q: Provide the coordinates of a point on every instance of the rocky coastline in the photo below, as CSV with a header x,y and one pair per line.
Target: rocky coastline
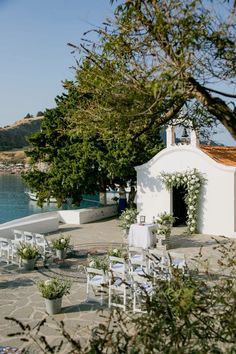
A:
x,y
13,168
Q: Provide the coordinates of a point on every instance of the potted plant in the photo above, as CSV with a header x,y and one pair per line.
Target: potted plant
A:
x,y
28,254
116,252
61,245
99,262
164,223
127,218
52,290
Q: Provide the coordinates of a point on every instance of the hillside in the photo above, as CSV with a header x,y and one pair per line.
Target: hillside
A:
x,y
15,135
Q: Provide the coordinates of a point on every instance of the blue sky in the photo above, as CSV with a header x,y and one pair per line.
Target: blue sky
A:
x,y
35,58
34,55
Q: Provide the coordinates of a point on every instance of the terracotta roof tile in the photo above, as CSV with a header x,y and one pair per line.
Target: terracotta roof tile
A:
x,y
225,155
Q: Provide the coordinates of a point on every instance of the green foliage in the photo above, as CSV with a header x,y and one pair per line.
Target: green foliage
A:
x,y
70,156
164,222
27,251
102,262
157,61
192,181
190,314
116,252
54,288
99,262
61,243
128,217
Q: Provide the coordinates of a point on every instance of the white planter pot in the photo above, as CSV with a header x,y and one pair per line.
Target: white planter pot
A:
x,y
53,306
61,254
28,264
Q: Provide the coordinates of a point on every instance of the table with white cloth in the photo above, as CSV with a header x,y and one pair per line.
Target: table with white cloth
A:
x,y
141,235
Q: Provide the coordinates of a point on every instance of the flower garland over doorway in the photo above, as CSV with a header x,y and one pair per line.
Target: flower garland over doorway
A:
x,y
192,181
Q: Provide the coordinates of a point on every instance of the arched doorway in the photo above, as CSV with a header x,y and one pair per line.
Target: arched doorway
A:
x,y
179,205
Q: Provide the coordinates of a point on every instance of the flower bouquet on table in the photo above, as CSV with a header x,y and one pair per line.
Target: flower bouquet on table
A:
x,y
28,254
52,290
164,223
127,218
62,246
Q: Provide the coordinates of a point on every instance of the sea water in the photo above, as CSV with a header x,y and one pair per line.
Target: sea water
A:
x,y
14,203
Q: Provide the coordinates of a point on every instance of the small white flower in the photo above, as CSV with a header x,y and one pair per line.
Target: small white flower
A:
x,y
48,282
62,240
173,178
192,229
91,264
185,179
191,207
115,250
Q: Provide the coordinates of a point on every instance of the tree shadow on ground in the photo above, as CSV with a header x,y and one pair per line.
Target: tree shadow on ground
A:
x,y
15,283
182,241
84,306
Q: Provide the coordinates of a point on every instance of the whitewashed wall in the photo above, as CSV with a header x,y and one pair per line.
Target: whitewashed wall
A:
x,y
217,207
48,222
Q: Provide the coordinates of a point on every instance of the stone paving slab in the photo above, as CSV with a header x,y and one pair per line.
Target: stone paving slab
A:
x,y
19,296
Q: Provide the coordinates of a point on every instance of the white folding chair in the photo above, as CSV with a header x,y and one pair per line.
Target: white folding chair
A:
x,y
96,281
5,249
159,264
29,237
43,244
15,259
142,288
118,289
178,261
136,253
138,261
117,264
18,235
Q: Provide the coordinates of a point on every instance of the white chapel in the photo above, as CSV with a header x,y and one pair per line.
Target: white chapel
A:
x,y
217,199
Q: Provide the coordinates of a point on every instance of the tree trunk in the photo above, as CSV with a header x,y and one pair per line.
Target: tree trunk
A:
x,y
103,198
215,106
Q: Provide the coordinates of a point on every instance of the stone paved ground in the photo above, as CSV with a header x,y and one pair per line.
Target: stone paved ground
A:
x,y
20,299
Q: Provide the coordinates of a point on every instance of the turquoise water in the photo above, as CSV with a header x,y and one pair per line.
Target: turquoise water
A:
x,y
14,203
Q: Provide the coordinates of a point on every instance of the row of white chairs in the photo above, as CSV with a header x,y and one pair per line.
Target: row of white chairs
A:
x,y
33,238
8,247
129,279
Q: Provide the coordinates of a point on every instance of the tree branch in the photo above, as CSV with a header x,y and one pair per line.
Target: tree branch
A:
x,y
220,92
215,106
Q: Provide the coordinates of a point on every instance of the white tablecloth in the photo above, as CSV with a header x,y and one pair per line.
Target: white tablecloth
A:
x,y
141,235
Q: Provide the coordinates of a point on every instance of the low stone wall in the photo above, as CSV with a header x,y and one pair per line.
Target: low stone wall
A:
x,y
48,222
83,216
38,223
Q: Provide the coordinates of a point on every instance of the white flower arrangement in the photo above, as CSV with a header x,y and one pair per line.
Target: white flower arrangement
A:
x,y
54,288
127,218
164,223
192,181
116,252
